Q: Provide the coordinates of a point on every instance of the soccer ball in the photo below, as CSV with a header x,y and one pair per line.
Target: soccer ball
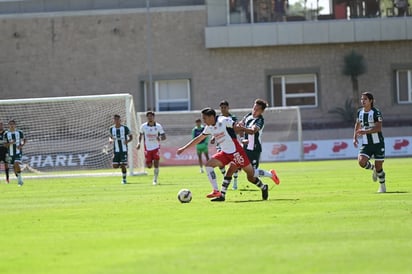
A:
x,y
184,196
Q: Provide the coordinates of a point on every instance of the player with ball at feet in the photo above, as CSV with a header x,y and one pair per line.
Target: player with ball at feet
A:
x,y
231,154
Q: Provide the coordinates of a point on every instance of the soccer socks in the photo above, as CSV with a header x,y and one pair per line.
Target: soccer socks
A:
x,y
262,173
124,174
7,174
369,165
225,185
381,176
258,183
211,175
156,173
223,170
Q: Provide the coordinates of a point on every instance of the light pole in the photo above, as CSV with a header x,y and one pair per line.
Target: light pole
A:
x,y
149,54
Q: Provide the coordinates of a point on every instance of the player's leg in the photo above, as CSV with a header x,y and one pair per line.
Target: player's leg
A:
x,y
379,174
123,166
156,161
211,175
200,161
226,182
250,172
17,170
364,158
6,170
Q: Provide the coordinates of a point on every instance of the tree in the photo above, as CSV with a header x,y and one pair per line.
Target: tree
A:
x,y
354,66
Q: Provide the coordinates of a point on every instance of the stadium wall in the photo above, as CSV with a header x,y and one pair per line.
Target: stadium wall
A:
x,y
105,52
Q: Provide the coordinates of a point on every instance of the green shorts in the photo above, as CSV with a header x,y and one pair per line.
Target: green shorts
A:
x,y
120,158
202,148
15,158
375,150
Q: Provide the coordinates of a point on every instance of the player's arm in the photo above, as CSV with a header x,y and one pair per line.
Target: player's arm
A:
x,y
192,142
129,138
162,136
140,139
376,128
355,134
22,143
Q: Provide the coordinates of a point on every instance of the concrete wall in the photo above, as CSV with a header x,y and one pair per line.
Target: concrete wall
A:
x,y
84,53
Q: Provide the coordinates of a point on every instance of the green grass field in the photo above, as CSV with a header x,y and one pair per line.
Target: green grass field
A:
x,y
324,217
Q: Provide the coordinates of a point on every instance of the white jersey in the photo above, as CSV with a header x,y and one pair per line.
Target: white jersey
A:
x,y
151,135
223,137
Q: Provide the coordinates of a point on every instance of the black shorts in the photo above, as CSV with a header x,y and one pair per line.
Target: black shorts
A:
x,y
254,157
3,155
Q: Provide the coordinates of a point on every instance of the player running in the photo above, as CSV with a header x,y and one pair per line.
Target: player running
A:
x,y
153,133
120,136
15,141
252,128
231,153
369,126
3,151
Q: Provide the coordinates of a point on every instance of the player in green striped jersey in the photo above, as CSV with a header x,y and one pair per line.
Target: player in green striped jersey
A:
x,y
15,141
369,126
120,136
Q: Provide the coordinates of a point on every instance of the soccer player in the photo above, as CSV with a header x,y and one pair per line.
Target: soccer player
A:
x,y
252,128
202,147
152,133
120,136
3,151
231,153
15,141
369,126
224,110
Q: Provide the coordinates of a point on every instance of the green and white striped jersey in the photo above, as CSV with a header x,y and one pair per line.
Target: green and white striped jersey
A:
x,y
119,136
368,120
17,138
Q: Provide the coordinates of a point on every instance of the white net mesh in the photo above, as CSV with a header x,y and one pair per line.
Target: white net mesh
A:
x,y
281,124
71,133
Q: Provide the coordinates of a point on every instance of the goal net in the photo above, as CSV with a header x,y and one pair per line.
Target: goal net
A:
x,y
281,138
72,133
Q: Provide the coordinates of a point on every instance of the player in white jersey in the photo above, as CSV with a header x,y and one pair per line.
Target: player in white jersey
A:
x,y
152,133
231,154
120,136
369,126
15,141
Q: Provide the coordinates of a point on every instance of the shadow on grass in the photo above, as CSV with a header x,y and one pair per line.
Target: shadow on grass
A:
x,y
394,192
270,200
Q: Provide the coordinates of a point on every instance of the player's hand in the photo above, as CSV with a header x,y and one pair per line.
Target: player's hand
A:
x,y
180,150
355,142
212,141
245,141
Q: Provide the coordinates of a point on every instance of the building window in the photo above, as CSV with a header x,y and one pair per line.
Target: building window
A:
x,y
404,85
172,95
294,90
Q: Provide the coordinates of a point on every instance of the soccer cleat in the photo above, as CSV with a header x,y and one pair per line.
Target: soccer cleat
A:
x,y
265,192
154,182
374,175
20,182
221,198
124,182
214,193
275,177
382,188
7,181
201,170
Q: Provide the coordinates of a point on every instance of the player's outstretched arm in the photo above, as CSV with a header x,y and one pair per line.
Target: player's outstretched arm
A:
x,y
191,143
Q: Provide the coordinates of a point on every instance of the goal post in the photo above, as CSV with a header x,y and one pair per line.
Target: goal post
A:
x,y
71,134
281,137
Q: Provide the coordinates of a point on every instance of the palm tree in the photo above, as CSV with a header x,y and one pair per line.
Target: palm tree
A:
x,y
354,66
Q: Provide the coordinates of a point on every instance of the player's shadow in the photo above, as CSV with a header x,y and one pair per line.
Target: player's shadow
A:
x,y
270,200
394,192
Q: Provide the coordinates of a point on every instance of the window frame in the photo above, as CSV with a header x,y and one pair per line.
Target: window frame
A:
x,y
159,101
286,96
409,85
